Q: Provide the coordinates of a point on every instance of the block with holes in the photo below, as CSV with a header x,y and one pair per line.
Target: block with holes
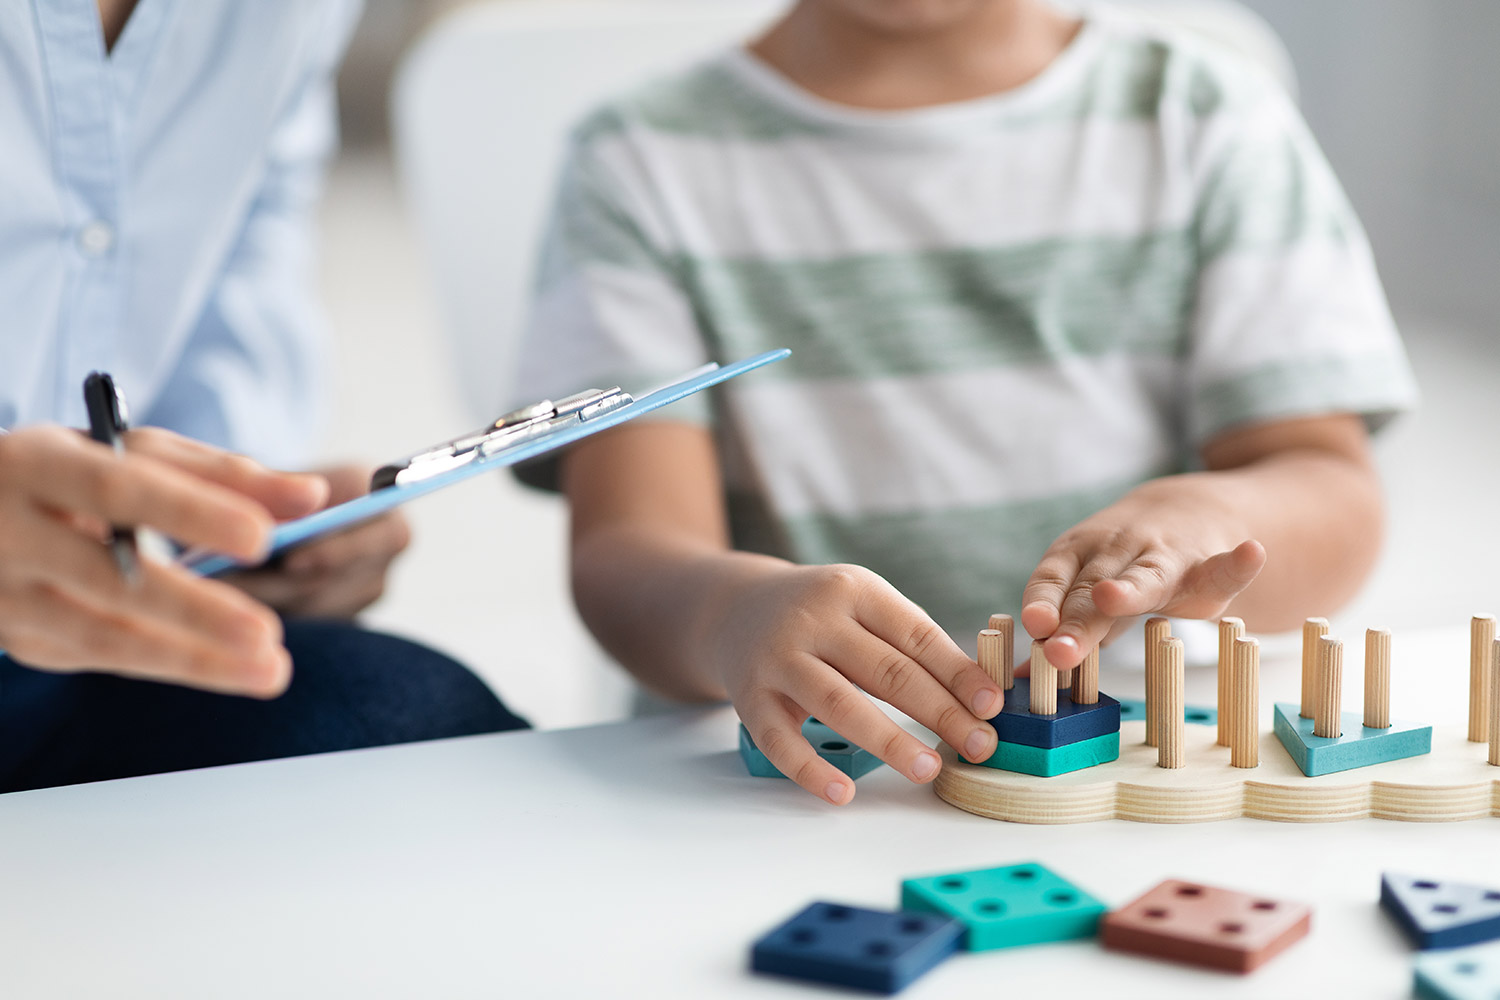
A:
x,y
852,760
1438,914
850,946
1357,745
1071,723
1204,925
1134,710
1007,907
1045,762
1471,973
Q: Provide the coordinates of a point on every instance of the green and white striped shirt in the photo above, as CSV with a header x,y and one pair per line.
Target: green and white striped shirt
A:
x,y
1004,313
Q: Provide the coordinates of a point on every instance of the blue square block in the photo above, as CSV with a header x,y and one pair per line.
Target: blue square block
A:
x,y
1438,914
1046,762
852,760
1133,709
1465,974
850,946
1071,722
1007,907
1356,747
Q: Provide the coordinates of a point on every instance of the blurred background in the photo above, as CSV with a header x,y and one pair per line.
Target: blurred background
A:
x,y
1399,92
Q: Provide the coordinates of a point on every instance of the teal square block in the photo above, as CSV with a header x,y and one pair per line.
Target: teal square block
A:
x,y
1007,907
1045,762
852,760
1133,709
1356,747
1461,974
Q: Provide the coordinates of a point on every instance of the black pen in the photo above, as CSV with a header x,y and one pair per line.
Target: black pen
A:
x,y
108,419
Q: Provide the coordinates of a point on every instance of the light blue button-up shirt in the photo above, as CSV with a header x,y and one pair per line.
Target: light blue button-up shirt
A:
x,y
156,207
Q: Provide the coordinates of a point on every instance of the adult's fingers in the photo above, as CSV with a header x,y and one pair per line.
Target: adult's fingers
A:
x,y
285,495
66,472
775,723
379,541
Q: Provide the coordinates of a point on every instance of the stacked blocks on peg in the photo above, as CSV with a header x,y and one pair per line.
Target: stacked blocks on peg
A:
x,y
1070,739
1356,746
1464,974
1438,914
848,758
1203,925
1007,907
850,946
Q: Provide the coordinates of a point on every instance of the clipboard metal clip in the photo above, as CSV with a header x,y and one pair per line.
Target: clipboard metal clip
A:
x,y
536,420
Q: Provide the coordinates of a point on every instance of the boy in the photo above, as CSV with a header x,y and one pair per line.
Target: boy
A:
x,y
1043,279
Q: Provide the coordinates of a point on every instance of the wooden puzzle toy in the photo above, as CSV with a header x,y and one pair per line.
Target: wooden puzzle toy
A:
x,y
852,760
1007,907
1204,925
1463,974
1069,721
855,947
1441,914
1317,763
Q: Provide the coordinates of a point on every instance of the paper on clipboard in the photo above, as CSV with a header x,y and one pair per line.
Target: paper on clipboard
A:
x,y
360,509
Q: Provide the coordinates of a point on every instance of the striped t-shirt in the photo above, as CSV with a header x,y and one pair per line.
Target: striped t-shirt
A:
x,y
1003,313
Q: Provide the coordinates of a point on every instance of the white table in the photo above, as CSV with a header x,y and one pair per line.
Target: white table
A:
x,y
635,859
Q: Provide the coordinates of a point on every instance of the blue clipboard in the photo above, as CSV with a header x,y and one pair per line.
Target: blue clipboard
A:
x,y
360,509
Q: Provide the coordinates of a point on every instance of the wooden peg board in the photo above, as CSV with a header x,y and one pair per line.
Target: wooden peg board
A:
x,y
1454,782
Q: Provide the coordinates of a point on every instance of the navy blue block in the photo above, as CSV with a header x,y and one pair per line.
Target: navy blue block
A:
x,y
1441,914
850,946
1069,724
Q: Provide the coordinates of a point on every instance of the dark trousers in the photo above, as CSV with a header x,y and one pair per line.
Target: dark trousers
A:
x,y
350,688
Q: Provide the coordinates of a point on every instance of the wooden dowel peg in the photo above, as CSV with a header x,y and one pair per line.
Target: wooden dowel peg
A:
x,y
1006,626
1230,629
1377,678
1312,630
1086,680
1494,757
1170,725
1244,704
1330,688
992,655
1043,682
1481,641
1157,629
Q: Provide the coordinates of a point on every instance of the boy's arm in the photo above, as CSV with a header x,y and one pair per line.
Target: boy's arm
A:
x,y
1300,497
657,582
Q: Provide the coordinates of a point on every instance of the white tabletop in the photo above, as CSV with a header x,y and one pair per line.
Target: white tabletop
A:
x,y
635,859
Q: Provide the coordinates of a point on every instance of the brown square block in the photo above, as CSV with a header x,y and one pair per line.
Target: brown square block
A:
x,y
1203,925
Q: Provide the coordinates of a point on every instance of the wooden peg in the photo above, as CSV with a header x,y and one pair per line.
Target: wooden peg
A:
x,y
1006,626
1157,629
1481,640
1230,629
992,654
1330,688
1043,682
1494,757
1086,680
1170,725
1377,678
1244,704
1312,630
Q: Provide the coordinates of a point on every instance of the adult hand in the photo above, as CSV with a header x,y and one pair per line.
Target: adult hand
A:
x,y
64,605
337,576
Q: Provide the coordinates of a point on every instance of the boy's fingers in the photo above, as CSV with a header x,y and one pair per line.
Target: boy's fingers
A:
x,y
1082,625
1209,587
778,734
1148,584
843,708
1041,601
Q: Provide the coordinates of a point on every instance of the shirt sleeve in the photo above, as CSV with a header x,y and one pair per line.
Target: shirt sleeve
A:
x,y
1290,319
609,307
254,374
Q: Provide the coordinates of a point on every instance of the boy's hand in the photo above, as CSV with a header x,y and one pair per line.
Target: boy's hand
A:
x,y
1166,548
338,576
63,603
809,640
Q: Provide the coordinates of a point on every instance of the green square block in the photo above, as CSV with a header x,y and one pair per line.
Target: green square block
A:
x,y
1045,762
852,760
1356,747
1007,907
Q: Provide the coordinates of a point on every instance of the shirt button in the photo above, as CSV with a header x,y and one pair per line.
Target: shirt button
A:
x,y
96,239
